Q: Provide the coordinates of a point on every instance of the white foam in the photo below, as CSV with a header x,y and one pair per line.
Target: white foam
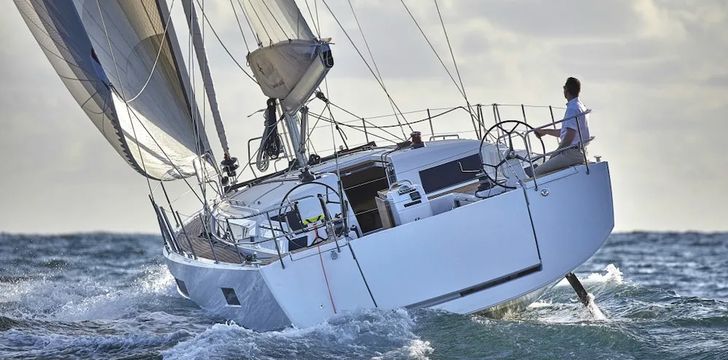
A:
x,y
611,274
107,303
540,304
594,309
355,332
157,280
415,349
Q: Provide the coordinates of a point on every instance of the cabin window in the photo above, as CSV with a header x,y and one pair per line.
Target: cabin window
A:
x,y
182,287
449,174
230,296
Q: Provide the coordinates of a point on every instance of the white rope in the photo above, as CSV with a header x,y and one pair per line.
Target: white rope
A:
x,y
129,114
156,59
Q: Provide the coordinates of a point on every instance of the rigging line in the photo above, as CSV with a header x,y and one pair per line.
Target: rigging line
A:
x,y
56,44
176,168
214,32
338,171
310,132
237,19
252,7
254,155
276,20
351,41
247,20
315,9
130,112
369,122
191,71
371,56
200,132
457,70
308,136
204,93
193,113
449,46
313,20
360,130
159,52
406,112
432,47
46,24
331,115
118,75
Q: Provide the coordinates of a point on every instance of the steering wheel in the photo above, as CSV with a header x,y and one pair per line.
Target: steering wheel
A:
x,y
282,205
509,129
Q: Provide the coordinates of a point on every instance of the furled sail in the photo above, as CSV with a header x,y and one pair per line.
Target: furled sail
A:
x,y
290,61
122,63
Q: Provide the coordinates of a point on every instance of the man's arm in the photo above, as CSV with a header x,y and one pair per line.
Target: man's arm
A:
x,y
542,132
568,138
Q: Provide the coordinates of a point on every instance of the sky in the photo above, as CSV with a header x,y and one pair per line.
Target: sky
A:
x,y
653,72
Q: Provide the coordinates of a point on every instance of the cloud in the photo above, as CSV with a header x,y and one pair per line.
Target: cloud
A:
x,y
653,71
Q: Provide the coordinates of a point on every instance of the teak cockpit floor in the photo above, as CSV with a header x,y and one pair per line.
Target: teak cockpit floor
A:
x,y
192,241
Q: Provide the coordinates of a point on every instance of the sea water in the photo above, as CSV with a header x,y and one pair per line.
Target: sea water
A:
x,y
663,295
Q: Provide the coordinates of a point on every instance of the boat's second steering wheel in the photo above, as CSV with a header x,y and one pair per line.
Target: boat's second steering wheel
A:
x,y
509,130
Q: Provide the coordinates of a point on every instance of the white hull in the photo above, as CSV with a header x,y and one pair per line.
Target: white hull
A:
x,y
465,260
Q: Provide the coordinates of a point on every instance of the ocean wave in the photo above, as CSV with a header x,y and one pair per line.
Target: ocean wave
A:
x,y
362,334
7,323
53,345
111,303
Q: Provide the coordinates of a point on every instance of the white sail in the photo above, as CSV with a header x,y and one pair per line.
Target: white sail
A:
x,y
121,61
290,62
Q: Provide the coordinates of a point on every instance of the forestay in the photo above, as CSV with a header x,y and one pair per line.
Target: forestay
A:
x,y
290,61
122,63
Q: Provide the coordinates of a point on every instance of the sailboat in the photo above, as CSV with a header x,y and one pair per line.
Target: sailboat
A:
x,y
449,222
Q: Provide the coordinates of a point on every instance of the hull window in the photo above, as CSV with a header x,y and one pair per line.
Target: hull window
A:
x,y
182,287
230,296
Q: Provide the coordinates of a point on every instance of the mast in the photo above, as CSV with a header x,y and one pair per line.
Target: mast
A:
x,y
294,134
199,45
229,164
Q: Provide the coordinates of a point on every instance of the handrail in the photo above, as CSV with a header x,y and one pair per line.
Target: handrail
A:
x,y
222,230
366,126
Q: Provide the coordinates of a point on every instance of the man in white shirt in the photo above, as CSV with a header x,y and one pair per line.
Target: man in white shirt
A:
x,y
575,124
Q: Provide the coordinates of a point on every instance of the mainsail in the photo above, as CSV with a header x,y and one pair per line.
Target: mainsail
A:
x,y
122,63
290,61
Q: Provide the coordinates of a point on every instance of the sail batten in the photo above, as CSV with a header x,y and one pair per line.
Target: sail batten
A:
x,y
122,63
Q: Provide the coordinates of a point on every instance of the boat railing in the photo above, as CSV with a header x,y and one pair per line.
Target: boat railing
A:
x,y
531,156
440,123
219,232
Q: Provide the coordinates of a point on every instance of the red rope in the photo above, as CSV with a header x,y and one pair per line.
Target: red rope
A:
x,y
331,298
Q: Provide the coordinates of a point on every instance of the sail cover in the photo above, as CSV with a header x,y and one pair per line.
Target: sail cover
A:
x,y
121,62
290,62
